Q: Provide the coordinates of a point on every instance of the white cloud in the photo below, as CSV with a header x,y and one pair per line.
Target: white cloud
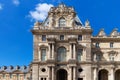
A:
x,y
16,2
1,6
40,12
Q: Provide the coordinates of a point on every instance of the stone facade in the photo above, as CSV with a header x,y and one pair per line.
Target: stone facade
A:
x,y
64,49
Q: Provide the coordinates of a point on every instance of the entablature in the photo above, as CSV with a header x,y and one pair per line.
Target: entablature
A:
x,y
63,31
105,39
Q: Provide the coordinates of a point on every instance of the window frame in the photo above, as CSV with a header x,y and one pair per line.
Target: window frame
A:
x,y
62,37
79,37
98,57
61,55
79,54
111,44
43,37
97,45
62,22
111,57
43,54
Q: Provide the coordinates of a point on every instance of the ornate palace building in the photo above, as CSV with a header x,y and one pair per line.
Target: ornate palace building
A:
x,y
64,49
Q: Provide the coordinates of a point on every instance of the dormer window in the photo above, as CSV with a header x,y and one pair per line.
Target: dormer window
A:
x,y
62,22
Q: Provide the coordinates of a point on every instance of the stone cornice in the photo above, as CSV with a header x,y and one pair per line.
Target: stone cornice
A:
x,y
62,31
105,39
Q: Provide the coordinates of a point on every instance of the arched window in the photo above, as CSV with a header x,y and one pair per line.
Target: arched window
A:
x,y
61,54
62,22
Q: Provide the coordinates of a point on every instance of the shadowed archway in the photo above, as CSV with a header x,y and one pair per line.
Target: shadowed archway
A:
x,y
117,75
62,74
103,75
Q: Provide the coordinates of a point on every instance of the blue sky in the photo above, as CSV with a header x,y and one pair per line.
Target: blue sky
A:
x,y
17,18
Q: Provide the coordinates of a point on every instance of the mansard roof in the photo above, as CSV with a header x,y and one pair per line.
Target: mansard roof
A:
x,y
62,10
17,69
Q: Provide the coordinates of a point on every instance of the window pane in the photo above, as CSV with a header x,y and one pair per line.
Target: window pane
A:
x,y
62,22
98,57
43,37
79,54
43,54
61,54
79,37
111,45
61,37
111,57
97,45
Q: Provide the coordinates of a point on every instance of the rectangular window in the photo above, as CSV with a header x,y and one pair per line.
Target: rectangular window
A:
x,y
79,37
98,57
61,37
43,54
43,37
111,57
79,54
97,45
111,45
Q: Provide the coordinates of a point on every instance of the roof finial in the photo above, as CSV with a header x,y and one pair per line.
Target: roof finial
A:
x,y
61,4
87,24
37,24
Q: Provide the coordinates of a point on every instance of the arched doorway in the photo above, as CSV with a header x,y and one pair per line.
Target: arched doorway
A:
x,y
103,75
61,74
117,75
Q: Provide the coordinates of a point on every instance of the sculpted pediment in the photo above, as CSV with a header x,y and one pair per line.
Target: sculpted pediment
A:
x,y
113,52
81,46
17,71
114,33
3,72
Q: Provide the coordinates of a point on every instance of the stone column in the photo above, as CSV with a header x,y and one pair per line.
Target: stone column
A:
x,y
74,52
39,55
70,51
49,73
53,71
111,76
35,72
71,74
49,52
53,51
94,58
74,73
95,74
